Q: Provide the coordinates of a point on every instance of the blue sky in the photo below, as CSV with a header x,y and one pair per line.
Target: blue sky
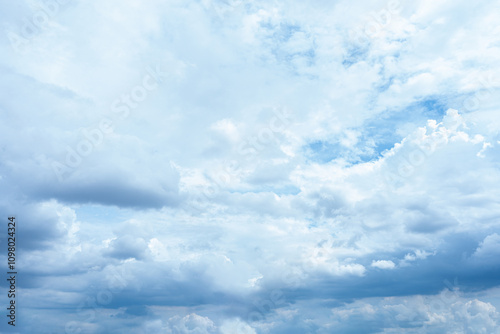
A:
x,y
252,167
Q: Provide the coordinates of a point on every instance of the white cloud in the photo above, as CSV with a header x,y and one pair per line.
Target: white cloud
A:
x,y
383,264
236,326
191,324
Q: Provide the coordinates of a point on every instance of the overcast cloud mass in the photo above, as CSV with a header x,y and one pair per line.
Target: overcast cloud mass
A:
x,y
252,167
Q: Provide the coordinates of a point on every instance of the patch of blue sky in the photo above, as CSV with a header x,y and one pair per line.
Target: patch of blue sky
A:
x,y
285,31
367,150
97,213
278,35
431,107
375,153
354,55
385,85
323,152
310,55
379,133
313,223
383,130
419,111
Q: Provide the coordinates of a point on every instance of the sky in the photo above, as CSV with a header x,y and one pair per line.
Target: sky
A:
x,y
252,167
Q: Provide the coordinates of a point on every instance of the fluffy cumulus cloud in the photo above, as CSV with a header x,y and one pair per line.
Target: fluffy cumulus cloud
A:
x,y
383,264
252,167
